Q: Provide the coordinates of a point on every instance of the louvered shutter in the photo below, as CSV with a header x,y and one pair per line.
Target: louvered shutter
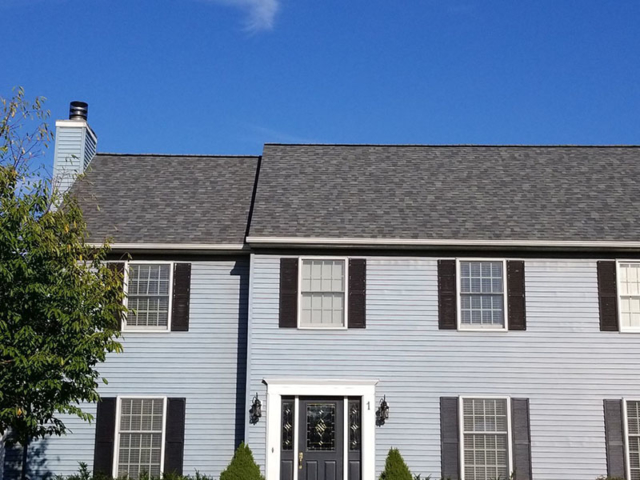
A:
x,y
174,436
608,296
357,293
516,295
288,293
614,438
447,302
118,267
521,438
105,436
181,297
449,438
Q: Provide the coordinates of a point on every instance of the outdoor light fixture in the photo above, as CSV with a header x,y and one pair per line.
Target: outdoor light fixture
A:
x,y
256,409
382,414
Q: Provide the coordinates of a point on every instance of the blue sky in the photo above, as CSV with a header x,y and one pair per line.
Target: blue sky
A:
x,y
225,76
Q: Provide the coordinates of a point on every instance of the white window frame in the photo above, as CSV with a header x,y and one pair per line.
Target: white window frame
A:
x,y
461,400
346,293
116,453
138,329
463,327
621,328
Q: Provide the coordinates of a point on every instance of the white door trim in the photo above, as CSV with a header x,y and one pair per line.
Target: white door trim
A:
x,y
277,388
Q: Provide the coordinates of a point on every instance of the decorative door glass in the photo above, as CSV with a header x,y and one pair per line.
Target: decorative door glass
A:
x,y
321,427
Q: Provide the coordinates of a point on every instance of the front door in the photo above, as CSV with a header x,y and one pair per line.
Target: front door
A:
x,y
321,438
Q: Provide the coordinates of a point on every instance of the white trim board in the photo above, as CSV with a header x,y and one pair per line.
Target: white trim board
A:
x,y
439,243
204,247
277,388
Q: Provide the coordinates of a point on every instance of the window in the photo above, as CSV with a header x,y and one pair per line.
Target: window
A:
x,y
482,299
485,438
323,293
629,295
140,437
148,296
632,408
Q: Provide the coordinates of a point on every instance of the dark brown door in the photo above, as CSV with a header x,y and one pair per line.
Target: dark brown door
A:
x,y
321,438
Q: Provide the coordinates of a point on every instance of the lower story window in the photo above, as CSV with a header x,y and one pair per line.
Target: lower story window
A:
x,y
140,437
633,438
485,438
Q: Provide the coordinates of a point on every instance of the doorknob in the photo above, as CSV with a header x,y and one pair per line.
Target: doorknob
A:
x,y
300,456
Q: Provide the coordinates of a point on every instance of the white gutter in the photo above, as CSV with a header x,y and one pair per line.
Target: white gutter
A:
x,y
201,247
399,242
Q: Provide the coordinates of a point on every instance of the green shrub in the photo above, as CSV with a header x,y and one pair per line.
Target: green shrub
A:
x,y
85,474
242,466
394,468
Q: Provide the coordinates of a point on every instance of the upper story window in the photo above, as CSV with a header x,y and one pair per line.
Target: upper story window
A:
x,y
148,296
323,293
140,437
485,438
482,294
629,295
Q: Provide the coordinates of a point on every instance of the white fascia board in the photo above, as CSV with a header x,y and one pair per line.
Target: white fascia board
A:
x,y
327,381
217,247
399,242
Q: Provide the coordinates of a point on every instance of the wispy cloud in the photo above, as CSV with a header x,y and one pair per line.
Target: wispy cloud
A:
x,y
261,14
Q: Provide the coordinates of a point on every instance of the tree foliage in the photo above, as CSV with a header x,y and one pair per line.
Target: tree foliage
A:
x,y
395,467
59,303
242,466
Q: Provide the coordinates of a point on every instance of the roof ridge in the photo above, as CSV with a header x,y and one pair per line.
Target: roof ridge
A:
x,y
173,155
450,145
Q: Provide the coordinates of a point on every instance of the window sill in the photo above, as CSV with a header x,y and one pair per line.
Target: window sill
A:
x,y
483,330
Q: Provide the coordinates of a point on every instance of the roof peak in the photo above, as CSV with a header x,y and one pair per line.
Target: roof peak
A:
x,y
447,145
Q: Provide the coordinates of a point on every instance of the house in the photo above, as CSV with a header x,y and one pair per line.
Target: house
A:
x,y
477,307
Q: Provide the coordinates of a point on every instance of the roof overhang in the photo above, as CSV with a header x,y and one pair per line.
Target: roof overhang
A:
x,y
431,244
202,248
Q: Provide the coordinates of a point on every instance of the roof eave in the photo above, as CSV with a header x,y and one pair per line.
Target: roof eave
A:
x,y
201,248
430,244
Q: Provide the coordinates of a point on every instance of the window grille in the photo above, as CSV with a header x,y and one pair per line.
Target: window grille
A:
x,y
148,295
485,438
140,436
323,293
629,292
482,294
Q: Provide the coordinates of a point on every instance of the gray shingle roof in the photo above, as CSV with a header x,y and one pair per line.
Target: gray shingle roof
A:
x,y
563,193
167,199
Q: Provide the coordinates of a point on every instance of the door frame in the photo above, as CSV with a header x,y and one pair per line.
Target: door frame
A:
x,y
289,387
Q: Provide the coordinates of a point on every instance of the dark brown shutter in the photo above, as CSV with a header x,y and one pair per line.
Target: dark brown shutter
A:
x,y
174,436
447,304
181,296
288,293
521,438
515,295
614,438
608,296
118,267
449,438
357,293
105,437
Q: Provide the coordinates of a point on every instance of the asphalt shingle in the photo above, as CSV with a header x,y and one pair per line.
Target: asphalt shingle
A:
x,y
167,199
555,193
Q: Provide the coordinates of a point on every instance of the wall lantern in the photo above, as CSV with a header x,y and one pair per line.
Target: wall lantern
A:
x,y
256,409
382,414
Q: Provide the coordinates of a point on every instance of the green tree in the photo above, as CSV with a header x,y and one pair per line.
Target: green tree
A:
x,y
395,468
242,466
60,305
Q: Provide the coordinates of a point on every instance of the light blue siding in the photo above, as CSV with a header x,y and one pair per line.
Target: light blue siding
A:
x,y
206,365
75,147
562,363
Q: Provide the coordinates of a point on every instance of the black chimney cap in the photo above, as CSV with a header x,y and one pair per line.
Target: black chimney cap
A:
x,y
78,111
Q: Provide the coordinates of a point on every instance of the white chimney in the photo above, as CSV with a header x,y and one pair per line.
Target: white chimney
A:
x,y
75,146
